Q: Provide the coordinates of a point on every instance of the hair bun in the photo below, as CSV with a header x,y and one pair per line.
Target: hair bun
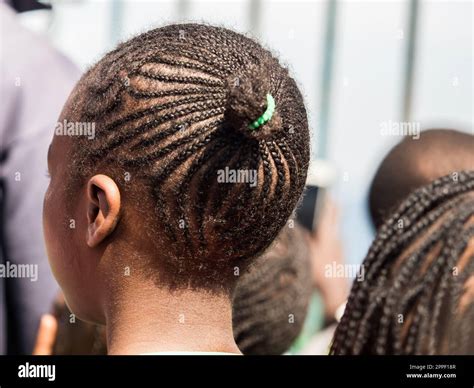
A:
x,y
247,102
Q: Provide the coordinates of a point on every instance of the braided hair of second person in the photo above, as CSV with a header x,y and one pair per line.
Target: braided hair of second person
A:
x,y
408,302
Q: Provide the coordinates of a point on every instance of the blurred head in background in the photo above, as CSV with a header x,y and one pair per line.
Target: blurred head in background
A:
x,y
271,299
413,163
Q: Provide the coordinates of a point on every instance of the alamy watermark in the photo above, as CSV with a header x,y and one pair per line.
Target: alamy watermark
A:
x,y
32,371
12,270
75,128
228,175
346,271
400,128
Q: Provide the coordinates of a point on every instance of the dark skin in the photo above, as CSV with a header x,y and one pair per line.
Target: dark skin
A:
x,y
102,272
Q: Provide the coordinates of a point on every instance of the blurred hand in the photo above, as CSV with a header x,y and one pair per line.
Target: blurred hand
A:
x,y
326,249
46,336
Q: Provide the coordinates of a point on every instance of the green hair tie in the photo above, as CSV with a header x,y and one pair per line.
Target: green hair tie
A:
x,y
267,115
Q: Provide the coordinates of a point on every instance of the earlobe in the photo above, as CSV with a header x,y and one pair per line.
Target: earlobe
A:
x,y
103,208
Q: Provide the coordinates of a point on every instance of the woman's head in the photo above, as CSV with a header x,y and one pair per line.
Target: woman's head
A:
x,y
173,179
417,296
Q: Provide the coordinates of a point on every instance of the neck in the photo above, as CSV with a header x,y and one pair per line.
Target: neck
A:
x,y
142,318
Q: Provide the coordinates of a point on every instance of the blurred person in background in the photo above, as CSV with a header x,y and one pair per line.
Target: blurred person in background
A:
x,y
330,292
271,300
61,333
326,250
35,81
413,163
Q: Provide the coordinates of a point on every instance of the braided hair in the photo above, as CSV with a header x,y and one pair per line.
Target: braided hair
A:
x,y
416,273
172,108
271,300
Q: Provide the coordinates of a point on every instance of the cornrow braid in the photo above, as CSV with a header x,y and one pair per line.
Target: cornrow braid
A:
x,y
172,109
408,300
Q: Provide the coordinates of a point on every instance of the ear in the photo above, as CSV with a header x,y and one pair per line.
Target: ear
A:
x,y
103,211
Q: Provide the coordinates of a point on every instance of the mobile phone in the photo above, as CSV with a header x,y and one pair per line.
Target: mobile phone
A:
x,y
321,175
306,211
